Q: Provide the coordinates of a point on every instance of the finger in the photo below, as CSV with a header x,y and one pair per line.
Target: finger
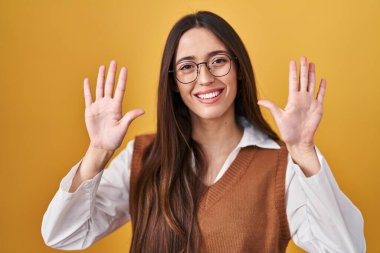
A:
x,y
120,89
321,91
100,82
303,74
272,107
130,116
311,78
293,81
87,92
108,89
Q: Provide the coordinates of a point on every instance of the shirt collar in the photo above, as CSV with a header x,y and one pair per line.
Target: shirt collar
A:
x,y
252,136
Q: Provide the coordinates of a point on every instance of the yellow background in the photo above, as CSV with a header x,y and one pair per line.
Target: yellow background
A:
x,y
48,47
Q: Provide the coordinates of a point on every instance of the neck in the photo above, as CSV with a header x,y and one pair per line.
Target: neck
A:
x,y
217,136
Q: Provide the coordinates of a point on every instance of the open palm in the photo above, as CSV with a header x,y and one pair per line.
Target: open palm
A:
x,y
105,122
299,120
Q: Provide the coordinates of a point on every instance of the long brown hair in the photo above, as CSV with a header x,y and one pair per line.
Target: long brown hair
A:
x,y
169,189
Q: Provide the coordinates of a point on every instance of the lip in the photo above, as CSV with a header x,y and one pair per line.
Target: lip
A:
x,y
208,91
211,100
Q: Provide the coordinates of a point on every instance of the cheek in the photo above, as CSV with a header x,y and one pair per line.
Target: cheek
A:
x,y
232,84
185,92
234,73
233,91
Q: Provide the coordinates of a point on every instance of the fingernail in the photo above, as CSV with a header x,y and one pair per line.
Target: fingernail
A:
x,y
312,67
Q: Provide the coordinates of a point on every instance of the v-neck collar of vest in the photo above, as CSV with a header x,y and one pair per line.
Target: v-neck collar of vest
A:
x,y
236,170
252,138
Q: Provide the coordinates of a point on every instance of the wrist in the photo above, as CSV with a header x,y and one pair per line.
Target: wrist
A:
x,y
306,158
97,158
100,153
301,148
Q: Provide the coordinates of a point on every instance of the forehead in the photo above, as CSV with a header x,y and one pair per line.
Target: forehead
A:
x,y
198,42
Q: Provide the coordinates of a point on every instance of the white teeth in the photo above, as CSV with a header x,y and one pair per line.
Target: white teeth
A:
x,y
209,95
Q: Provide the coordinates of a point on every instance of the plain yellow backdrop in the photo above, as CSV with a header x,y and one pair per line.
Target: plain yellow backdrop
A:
x,y
48,47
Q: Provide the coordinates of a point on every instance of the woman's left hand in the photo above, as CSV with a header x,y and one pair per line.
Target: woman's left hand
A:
x,y
299,120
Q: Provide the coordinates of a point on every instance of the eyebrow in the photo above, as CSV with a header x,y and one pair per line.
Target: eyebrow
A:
x,y
208,55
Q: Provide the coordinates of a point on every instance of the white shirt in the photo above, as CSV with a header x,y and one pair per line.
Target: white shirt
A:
x,y
321,218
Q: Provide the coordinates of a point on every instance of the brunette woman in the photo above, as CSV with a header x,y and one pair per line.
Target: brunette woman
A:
x,y
214,177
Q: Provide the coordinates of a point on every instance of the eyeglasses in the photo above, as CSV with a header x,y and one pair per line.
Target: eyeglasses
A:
x,y
188,71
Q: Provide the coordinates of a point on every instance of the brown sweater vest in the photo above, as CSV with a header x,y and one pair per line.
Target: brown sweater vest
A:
x,y
245,210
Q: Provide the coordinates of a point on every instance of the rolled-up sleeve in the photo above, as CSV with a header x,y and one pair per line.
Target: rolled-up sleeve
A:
x,y
98,207
321,217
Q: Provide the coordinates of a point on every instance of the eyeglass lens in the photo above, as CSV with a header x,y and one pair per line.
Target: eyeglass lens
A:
x,y
188,71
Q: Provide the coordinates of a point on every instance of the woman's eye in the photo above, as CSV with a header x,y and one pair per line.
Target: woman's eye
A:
x,y
219,61
186,67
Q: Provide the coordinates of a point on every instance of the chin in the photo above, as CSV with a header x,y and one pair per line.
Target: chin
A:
x,y
211,114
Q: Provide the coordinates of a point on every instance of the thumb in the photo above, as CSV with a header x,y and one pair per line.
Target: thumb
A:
x,y
272,107
130,116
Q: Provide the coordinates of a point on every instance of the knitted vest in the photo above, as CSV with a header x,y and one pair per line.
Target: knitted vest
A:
x,y
245,210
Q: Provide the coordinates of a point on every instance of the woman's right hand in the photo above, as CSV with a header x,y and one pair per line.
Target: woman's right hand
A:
x,y
105,123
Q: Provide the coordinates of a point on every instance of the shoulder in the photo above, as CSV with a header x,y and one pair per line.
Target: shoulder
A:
x,y
147,136
140,143
143,140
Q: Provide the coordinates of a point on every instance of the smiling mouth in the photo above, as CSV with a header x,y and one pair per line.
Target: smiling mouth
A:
x,y
210,95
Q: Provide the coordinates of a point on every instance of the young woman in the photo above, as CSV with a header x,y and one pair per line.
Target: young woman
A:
x,y
215,177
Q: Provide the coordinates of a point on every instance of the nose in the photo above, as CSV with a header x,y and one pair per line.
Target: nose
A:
x,y
204,75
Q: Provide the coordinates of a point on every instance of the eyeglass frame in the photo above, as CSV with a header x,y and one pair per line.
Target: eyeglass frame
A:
x,y
232,58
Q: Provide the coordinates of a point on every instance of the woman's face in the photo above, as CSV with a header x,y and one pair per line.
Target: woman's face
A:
x,y
208,97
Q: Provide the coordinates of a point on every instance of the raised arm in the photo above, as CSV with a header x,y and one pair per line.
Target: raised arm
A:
x,y
106,126
91,201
